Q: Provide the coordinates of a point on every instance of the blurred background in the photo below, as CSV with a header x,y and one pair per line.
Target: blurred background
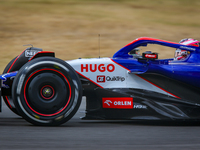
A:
x,y
71,28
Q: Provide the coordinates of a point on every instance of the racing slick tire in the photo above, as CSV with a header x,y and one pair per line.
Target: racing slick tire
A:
x,y
47,91
8,99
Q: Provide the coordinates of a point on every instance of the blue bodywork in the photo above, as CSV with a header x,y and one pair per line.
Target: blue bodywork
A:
x,y
187,71
144,41
4,78
8,75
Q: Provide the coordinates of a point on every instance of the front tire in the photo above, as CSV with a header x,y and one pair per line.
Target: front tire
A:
x,y
47,91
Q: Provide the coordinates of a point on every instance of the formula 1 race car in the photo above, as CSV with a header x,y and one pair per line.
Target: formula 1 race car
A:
x,y
45,90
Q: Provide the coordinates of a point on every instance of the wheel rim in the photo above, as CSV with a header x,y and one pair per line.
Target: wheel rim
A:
x,y
47,93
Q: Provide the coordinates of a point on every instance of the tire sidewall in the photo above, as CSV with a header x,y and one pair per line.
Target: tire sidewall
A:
x,y
30,68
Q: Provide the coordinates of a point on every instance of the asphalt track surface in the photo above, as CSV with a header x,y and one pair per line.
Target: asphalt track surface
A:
x,y
16,133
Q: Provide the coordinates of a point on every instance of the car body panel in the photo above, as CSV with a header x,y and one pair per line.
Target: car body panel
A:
x,y
143,87
160,88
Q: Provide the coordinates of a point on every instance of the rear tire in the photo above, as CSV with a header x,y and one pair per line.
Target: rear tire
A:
x,y
47,91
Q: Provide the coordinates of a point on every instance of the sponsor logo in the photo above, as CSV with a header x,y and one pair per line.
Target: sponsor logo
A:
x,y
118,102
102,78
97,67
140,106
189,48
115,78
108,102
30,53
150,56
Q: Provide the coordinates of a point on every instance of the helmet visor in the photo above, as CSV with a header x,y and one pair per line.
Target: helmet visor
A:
x,y
177,53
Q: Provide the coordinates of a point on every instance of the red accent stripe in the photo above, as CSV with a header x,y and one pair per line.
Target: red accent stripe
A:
x,y
8,101
119,65
149,81
158,87
151,39
12,64
41,113
14,61
8,72
43,95
89,79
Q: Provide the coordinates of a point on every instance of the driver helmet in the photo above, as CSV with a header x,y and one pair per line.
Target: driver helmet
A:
x,y
183,54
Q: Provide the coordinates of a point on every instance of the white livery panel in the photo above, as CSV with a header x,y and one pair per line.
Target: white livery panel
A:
x,y
106,73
